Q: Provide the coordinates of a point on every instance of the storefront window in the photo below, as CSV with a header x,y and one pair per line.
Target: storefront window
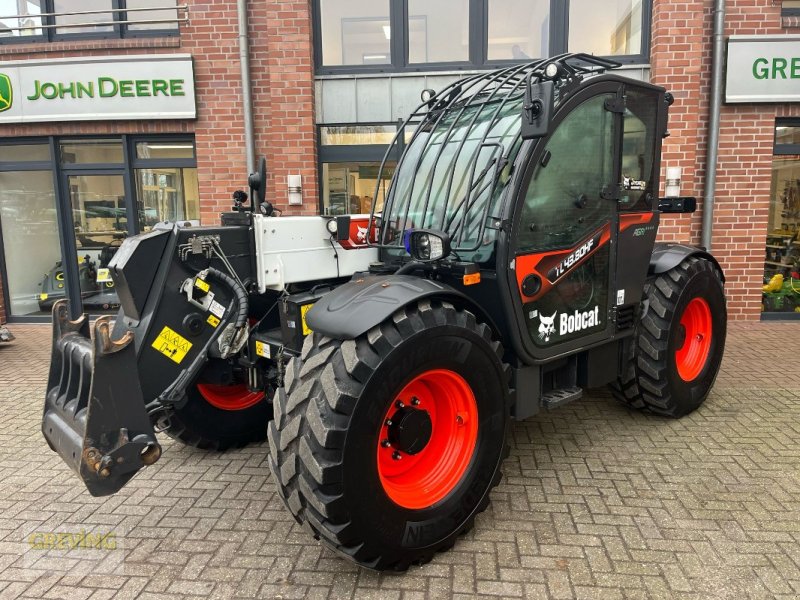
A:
x,y
97,191
150,15
788,135
91,152
349,188
355,32
349,135
30,237
518,29
20,18
438,31
25,153
155,150
167,194
781,292
605,28
101,224
77,6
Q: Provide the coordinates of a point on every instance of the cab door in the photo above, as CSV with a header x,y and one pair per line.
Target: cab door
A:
x,y
566,225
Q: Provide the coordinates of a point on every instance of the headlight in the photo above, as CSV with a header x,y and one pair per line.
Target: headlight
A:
x,y
426,245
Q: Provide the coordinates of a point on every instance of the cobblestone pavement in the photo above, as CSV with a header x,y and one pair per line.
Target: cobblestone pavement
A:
x,y
598,502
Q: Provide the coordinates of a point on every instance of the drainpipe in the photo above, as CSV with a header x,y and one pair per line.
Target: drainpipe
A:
x,y
713,122
247,91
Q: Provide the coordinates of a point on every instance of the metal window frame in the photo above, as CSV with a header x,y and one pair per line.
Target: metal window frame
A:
x,y
785,149
478,41
120,27
65,222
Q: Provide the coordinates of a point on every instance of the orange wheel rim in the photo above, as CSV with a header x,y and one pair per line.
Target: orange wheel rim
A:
x,y
229,397
691,356
427,439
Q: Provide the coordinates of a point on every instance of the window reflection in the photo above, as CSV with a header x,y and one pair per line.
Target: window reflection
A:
x,y
30,236
167,194
518,29
605,28
355,32
348,135
78,6
438,31
349,188
148,15
20,18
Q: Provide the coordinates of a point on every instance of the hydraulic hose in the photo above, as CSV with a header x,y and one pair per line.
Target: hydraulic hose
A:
x,y
241,295
175,392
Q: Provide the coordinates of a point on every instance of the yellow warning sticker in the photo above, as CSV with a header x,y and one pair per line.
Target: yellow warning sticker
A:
x,y
303,310
103,275
262,349
172,345
212,320
201,285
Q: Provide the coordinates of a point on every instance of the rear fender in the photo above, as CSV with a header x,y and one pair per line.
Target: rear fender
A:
x,y
359,305
669,255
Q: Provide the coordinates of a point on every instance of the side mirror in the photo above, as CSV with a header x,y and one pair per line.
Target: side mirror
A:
x,y
427,245
537,110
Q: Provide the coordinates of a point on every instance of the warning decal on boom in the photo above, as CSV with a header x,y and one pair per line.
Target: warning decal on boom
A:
x,y
172,345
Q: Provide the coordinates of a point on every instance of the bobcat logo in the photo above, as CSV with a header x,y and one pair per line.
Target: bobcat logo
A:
x,y
547,326
6,93
361,236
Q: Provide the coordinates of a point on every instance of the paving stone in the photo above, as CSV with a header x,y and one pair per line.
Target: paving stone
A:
x,y
598,501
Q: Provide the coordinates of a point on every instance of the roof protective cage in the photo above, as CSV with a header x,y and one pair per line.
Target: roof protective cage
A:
x,y
441,180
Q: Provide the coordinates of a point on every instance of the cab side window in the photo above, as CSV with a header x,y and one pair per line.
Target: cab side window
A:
x,y
563,201
638,150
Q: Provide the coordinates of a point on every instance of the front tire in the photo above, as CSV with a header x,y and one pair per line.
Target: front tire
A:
x,y
348,406
218,417
675,353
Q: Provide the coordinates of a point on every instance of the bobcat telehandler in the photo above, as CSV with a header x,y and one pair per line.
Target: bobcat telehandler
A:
x,y
512,265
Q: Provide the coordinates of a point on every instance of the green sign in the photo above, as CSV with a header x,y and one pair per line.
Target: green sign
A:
x,y
107,87
763,68
6,93
152,86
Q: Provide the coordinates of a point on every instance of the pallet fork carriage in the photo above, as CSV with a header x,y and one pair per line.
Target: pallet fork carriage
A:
x,y
513,265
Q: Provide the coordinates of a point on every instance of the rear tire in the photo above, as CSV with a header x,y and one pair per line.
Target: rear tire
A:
x,y
218,417
675,353
330,432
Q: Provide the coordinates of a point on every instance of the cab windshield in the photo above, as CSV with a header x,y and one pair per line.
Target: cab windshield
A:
x,y
452,174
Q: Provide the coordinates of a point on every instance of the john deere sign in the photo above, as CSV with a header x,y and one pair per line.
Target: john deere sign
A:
x,y
131,87
763,68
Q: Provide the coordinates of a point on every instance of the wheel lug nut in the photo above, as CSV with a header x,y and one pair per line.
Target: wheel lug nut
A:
x,y
386,444
415,401
399,404
396,455
388,422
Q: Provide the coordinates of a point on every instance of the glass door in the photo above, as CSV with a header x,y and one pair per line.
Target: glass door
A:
x,y
100,224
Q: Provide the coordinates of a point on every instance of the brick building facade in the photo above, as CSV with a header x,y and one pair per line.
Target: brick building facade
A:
x,y
681,62
294,96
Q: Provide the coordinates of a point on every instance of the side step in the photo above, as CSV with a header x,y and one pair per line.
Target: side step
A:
x,y
94,411
561,396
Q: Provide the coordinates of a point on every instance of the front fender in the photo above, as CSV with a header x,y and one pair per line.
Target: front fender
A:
x,y
355,307
667,255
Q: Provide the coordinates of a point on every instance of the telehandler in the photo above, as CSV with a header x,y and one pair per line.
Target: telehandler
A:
x,y
512,265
